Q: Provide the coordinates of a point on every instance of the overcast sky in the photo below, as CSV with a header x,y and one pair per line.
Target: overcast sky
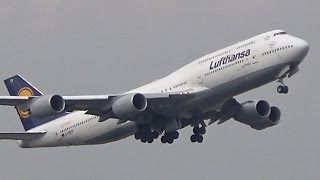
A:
x,y
81,47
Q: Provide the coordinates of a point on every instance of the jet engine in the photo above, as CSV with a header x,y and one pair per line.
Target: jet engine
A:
x,y
47,105
129,105
258,114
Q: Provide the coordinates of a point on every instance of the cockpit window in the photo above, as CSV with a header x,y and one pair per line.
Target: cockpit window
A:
x,y
279,33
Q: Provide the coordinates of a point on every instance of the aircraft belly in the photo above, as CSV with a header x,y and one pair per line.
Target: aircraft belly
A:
x,y
248,82
96,133
114,133
215,95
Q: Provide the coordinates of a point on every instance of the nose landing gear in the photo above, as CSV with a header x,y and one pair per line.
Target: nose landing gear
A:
x,y
282,89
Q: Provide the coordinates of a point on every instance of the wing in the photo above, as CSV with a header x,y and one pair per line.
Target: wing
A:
x,y
13,100
95,104
99,104
92,103
21,135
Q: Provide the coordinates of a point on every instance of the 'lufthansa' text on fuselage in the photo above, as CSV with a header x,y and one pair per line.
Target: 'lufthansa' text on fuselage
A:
x,y
229,59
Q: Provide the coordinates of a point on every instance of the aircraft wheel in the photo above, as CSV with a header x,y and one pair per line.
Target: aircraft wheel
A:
x,y
280,89
199,138
175,134
155,134
164,139
193,138
202,130
137,135
196,130
285,89
150,140
143,140
170,141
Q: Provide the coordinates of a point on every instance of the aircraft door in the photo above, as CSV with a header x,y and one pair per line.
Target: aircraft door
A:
x,y
200,80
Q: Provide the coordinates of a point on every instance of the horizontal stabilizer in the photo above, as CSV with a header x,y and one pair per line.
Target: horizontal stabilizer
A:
x,y
21,135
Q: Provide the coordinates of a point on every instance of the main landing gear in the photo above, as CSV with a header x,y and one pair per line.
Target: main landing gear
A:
x,y
198,131
198,134
282,89
169,137
146,135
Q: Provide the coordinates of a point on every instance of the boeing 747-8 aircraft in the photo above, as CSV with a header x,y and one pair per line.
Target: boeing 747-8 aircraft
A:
x,y
199,91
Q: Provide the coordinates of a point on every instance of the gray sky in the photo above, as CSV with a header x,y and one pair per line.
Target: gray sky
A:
x,y
98,47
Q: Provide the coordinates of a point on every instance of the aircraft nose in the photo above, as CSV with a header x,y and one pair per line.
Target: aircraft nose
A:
x,y
303,47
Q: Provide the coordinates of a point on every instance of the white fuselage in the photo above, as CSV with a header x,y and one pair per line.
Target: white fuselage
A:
x,y
217,76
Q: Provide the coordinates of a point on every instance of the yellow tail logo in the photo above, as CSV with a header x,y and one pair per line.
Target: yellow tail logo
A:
x,y
25,91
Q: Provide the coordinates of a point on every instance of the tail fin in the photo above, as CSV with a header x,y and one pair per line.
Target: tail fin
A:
x,y
18,86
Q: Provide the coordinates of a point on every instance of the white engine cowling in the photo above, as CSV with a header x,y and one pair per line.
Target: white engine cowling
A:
x,y
47,105
259,115
129,105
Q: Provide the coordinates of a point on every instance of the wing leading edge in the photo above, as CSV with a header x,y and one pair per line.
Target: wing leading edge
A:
x,y
95,102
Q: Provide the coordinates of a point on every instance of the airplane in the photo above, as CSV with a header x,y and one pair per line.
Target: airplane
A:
x,y
196,95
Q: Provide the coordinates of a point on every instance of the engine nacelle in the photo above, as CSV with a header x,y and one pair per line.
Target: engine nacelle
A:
x,y
129,105
271,120
47,105
259,115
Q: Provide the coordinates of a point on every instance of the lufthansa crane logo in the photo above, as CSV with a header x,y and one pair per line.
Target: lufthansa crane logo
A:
x,y
25,91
